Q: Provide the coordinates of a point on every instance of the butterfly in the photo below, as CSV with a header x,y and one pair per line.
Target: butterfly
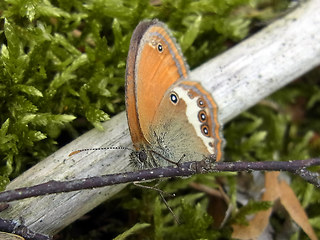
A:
x,y
171,118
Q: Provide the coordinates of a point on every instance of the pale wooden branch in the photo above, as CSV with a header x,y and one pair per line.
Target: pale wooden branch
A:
x,y
237,79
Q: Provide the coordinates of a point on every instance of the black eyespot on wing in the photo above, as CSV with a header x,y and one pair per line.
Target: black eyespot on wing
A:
x,y
160,48
174,98
205,130
201,103
202,116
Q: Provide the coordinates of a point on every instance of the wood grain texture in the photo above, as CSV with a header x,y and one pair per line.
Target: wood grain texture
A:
x,y
264,63
238,79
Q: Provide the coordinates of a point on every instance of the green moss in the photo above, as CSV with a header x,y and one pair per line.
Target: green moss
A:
x,y
250,208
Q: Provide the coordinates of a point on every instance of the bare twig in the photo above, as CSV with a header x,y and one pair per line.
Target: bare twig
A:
x,y
310,177
185,169
21,230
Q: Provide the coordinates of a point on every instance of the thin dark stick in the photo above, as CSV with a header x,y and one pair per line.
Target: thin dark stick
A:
x,y
310,177
21,230
184,169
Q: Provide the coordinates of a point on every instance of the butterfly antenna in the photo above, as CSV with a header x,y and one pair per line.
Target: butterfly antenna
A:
x,y
98,149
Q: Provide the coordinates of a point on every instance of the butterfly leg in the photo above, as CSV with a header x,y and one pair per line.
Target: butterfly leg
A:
x,y
161,193
165,158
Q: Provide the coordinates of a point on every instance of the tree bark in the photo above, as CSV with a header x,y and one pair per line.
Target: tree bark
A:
x,y
237,79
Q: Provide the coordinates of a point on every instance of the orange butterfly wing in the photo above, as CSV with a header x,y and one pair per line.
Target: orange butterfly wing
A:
x,y
154,63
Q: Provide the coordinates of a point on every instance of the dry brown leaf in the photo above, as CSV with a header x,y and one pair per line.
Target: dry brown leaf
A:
x,y
275,189
260,221
292,205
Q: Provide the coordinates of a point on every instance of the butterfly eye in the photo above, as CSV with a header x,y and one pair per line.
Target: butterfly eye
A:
x,y
142,156
174,98
202,116
212,157
160,48
205,130
201,103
